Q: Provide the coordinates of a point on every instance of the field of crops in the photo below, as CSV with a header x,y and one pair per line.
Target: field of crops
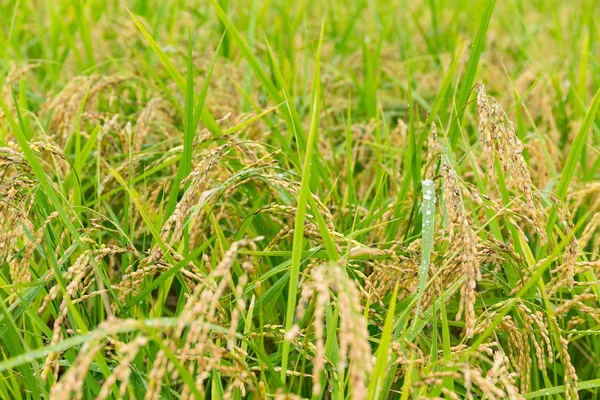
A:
x,y
276,199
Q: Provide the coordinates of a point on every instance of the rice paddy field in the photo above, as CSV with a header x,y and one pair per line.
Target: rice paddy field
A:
x,y
273,199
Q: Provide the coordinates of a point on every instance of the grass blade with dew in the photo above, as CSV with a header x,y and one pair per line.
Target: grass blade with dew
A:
x,y
428,223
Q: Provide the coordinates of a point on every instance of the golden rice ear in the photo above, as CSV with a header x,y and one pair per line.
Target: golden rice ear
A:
x,y
499,139
354,346
463,243
74,378
63,109
122,372
571,377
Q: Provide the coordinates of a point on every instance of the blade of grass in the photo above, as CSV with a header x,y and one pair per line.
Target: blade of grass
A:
x,y
206,116
468,78
582,385
381,363
189,130
287,109
298,236
572,159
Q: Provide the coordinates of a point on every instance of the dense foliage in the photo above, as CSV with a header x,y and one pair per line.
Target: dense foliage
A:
x,y
313,199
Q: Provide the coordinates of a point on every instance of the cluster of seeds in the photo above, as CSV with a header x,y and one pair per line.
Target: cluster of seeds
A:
x,y
499,139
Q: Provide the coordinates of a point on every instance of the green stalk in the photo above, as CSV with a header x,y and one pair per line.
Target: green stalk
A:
x,y
298,238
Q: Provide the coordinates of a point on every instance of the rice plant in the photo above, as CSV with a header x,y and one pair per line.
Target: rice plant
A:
x,y
299,200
